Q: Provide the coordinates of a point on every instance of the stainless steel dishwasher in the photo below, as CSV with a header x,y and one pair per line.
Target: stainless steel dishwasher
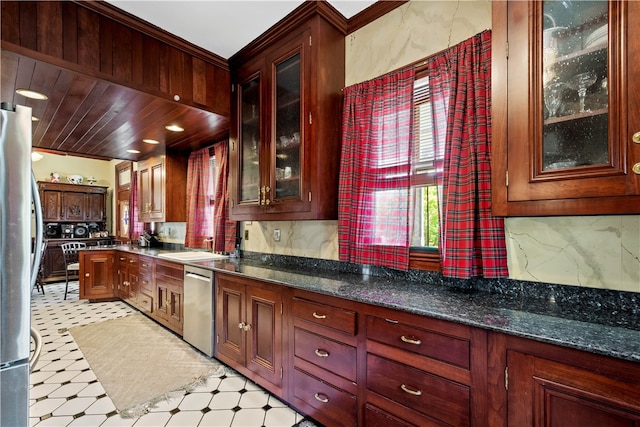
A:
x,y
198,308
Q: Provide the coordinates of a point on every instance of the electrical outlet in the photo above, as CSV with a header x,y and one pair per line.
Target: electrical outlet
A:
x,y
246,235
276,234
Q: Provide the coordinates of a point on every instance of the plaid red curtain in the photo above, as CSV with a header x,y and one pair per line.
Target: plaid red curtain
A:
x,y
136,227
472,241
199,221
374,192
224,230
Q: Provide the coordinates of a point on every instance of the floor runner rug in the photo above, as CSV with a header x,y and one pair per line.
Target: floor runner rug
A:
x,y
139,363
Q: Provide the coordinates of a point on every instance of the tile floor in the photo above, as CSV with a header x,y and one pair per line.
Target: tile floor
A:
x,y
65,391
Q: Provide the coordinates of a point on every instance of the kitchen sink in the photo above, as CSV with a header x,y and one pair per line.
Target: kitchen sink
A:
x,y
192,256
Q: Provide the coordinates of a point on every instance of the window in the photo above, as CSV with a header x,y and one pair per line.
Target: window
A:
x,y
425,230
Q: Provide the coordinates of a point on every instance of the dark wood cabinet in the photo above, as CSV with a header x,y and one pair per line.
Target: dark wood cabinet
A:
x,y
285,132
128,277
162,185
54,266
146,285
538,384
566,121
97,276
74,206
169,291
72,203
96,209
425,371
97,39
249,329
325,359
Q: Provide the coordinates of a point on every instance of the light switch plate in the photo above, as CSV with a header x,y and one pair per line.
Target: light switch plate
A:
x,y
276,234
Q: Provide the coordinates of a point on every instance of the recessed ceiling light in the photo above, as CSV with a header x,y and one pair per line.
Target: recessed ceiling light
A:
x,y
133,151
35,156
151,141
34,119
174,128
32,94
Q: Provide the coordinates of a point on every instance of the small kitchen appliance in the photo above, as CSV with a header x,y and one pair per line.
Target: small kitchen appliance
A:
x,y
67,231
81,231
52,230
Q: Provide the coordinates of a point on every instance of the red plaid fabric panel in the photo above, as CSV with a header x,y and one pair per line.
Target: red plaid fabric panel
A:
x,y
374,192
224,238
199,221
136,227
472,241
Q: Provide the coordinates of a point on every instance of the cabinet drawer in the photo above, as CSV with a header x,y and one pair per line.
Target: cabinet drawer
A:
x,y
146,283
374,417
331,401
325,315
434,345
426,393
331,355
145,265
145,301
169,272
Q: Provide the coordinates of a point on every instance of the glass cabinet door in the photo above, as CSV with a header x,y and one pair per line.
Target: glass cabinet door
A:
x,y
250,140
287,128
575,89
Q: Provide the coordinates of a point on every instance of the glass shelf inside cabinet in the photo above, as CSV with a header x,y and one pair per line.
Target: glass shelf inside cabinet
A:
x,y
575,92
287,130
250,140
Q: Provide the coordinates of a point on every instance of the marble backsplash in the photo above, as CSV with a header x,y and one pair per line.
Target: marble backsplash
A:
x,y
591,251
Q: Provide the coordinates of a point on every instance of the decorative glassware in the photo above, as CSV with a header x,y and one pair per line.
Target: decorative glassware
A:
x,y
581,82
553,96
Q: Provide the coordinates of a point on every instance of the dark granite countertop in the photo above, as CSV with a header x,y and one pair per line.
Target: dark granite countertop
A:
x,y
597,321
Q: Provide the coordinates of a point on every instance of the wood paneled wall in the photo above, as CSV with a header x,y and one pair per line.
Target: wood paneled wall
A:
x,y
99,40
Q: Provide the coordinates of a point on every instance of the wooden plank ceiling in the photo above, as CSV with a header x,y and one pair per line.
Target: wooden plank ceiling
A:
x,y
89,117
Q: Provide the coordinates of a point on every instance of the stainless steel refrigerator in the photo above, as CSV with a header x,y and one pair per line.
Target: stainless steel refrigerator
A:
x,y
19,262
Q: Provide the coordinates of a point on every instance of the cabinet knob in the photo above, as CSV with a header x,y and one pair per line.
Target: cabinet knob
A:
x,y
247,327
636,137
241,325
636,168
86,274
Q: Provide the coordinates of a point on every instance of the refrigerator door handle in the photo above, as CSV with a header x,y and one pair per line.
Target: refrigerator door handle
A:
x,y
37,339
37,250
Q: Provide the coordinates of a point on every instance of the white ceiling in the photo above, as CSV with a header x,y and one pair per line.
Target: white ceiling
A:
x,y
222,26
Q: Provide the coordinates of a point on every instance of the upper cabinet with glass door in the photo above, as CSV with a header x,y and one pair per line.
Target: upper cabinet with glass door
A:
x,y
286,115
566,112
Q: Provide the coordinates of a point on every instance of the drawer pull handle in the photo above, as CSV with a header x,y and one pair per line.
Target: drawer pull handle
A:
x,y
392,321
410,391
322,353
319,316
321,397
410,340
